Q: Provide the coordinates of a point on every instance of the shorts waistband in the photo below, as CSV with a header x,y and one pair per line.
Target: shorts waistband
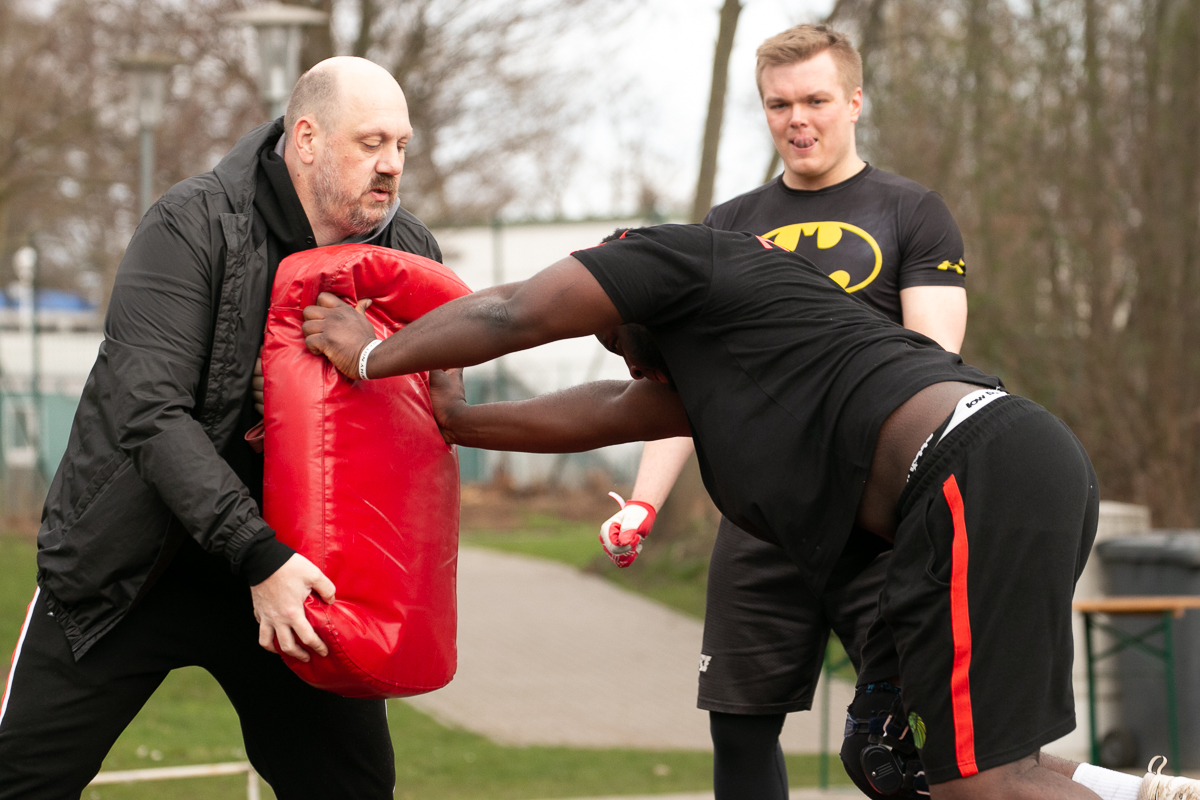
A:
x,y
968,406
980,426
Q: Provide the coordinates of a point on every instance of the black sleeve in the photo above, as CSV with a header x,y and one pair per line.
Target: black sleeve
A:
x,y
409,234
931,250
655,276
720,217
157,334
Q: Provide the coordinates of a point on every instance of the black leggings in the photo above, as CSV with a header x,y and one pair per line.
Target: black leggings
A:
x,y
747,757
61,716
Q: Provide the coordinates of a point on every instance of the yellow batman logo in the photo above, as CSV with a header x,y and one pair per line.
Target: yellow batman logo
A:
x,y
828,235
960,267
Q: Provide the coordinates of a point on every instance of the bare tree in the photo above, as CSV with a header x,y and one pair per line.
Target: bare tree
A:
x,y
491,106
1063,137
716,110
42,115
68,133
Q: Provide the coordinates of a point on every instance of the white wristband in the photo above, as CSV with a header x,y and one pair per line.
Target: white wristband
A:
x,y
362,358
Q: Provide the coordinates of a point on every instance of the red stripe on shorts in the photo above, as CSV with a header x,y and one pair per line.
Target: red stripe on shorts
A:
x,y
960,627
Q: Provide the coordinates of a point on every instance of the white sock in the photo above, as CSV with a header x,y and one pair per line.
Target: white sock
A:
x,y
1107,783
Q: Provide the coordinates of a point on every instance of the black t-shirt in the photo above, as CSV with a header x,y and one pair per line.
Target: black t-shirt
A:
x,y
874,234
785,377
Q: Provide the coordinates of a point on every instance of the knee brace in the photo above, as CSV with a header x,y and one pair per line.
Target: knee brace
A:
x,y
878,752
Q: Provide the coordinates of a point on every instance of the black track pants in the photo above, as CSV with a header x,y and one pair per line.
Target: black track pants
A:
x,y
60,717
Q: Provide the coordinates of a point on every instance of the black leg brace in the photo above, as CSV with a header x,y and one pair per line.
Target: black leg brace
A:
x,y
878,750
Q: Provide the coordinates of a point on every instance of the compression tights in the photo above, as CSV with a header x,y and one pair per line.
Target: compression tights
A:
x,y
747,758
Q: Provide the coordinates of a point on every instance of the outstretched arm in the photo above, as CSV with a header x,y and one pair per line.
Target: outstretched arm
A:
x,y
659,468
580,418
560,302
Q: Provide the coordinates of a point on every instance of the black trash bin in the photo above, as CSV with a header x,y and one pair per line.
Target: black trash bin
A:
x,y
1162,562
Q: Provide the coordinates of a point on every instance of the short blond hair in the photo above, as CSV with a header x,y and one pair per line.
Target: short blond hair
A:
x,y
808,41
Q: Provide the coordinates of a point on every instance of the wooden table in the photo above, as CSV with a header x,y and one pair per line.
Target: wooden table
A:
x,y
1168,608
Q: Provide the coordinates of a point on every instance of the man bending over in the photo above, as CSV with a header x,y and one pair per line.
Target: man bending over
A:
x,y
812,413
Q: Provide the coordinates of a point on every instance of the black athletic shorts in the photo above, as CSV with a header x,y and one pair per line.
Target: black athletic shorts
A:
x,y
765,631
996,524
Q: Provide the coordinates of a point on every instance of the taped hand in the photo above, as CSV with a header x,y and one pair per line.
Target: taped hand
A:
x,y
621,534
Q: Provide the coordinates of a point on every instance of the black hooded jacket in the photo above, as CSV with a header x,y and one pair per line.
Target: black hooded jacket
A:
x,y
150,456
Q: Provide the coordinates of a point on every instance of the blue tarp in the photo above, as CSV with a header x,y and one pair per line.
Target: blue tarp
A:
x,y
50,300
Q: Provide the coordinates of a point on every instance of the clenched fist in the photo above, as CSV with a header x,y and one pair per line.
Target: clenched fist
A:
x,y
339,331
621,534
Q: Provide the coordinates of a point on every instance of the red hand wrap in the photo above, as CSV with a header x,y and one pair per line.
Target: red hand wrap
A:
x,y
643,530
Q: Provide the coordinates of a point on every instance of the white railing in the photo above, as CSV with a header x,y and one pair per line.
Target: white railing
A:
x,y
196,771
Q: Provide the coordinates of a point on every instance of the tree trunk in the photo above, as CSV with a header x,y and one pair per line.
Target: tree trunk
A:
x,y
772,165
716,111
689,509
368,10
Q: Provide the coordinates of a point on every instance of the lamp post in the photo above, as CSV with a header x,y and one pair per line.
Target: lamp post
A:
x,y
279,28
25,263
149,72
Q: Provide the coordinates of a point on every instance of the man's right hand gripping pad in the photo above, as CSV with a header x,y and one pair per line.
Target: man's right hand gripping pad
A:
x,y
359,480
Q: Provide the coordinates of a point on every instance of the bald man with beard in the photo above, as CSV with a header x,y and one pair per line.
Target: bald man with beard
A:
x,y
153,553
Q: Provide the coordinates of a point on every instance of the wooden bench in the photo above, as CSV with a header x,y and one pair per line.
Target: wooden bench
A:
x,y
1168,609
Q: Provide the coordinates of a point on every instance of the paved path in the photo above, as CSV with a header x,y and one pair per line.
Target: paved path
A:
x,y
552,656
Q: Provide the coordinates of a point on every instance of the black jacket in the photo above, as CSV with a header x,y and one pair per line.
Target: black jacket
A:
x,y
184,326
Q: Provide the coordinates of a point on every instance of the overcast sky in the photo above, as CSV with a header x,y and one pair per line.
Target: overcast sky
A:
x,y
661,56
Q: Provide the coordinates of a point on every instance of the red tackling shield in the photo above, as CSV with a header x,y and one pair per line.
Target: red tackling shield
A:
x,y
359,481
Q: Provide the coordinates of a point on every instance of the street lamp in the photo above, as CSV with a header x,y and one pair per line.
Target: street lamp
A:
x,y
25,265
279,30
149,72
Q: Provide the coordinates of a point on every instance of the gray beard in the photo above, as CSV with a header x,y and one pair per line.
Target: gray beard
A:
x,y
342,208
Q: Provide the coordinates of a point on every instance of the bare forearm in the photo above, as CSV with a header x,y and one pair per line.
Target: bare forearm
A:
x,y
469,331
577,419
659,468
561,302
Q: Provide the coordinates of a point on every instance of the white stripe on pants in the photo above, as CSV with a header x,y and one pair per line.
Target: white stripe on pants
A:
x,y
12,669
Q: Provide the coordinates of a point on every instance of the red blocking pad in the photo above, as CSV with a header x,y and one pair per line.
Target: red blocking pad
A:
x,y
359,481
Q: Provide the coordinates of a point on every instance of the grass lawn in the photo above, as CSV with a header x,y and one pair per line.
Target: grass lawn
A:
x,y
189,721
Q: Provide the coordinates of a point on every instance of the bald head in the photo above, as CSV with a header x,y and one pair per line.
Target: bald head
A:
x,y
337,85
347,128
